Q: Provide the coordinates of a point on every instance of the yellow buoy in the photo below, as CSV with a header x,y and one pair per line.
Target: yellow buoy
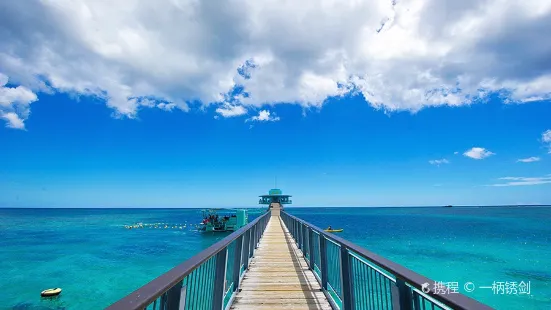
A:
x,y
50,292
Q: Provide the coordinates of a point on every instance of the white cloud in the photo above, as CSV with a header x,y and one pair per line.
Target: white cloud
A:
x,y
399,55
478,153
13,120
455,153
523,181
264,116
156,103
229,110
15,103
546,138
166,106
438,162
529,159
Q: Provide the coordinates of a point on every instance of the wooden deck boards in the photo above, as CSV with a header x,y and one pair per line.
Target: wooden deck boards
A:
x,y
278,276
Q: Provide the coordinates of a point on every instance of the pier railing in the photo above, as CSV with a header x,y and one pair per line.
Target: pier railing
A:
x,y
355,278
208,280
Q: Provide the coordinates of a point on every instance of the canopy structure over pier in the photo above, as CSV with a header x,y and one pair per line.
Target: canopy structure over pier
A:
x,y
275,195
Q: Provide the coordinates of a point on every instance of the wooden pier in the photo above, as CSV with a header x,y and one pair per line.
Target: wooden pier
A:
x,y
270,264
278,276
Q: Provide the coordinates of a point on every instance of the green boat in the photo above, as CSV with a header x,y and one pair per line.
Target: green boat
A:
x,y
223,220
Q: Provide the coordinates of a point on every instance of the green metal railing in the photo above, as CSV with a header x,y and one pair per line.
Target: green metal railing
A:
x,y
208,280
353,278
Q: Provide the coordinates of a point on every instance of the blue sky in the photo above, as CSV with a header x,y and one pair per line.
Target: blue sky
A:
x,y
357,103
74,154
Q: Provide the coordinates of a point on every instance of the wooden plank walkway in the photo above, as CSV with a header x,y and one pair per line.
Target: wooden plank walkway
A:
x,y
278,276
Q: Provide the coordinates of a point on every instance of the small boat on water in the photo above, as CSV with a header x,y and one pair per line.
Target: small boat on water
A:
x,y
51,292
333,230
231,220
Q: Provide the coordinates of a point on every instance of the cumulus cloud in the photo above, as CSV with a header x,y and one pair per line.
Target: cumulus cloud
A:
x,y
528,160
438,162
523,181
399,55
13,120
264,116
478,153
15,103
158,103
546,138
228,110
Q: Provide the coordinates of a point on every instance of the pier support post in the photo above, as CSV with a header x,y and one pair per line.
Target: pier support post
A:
x,y
219,280
347,280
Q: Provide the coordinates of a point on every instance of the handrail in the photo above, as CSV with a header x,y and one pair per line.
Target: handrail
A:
x,y
149,293
402,274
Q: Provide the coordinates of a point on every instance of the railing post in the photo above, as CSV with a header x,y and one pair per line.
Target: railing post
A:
x,y
304,239
173,297
300,236
311,247
297,235
255,235
323,261
401,296
219,280
257,230
237,262
251,242
246,249
347,280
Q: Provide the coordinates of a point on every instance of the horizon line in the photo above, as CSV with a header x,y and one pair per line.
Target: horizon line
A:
x,y
255,207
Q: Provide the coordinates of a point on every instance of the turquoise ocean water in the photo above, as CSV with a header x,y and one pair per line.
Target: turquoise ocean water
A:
x,y
96,260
